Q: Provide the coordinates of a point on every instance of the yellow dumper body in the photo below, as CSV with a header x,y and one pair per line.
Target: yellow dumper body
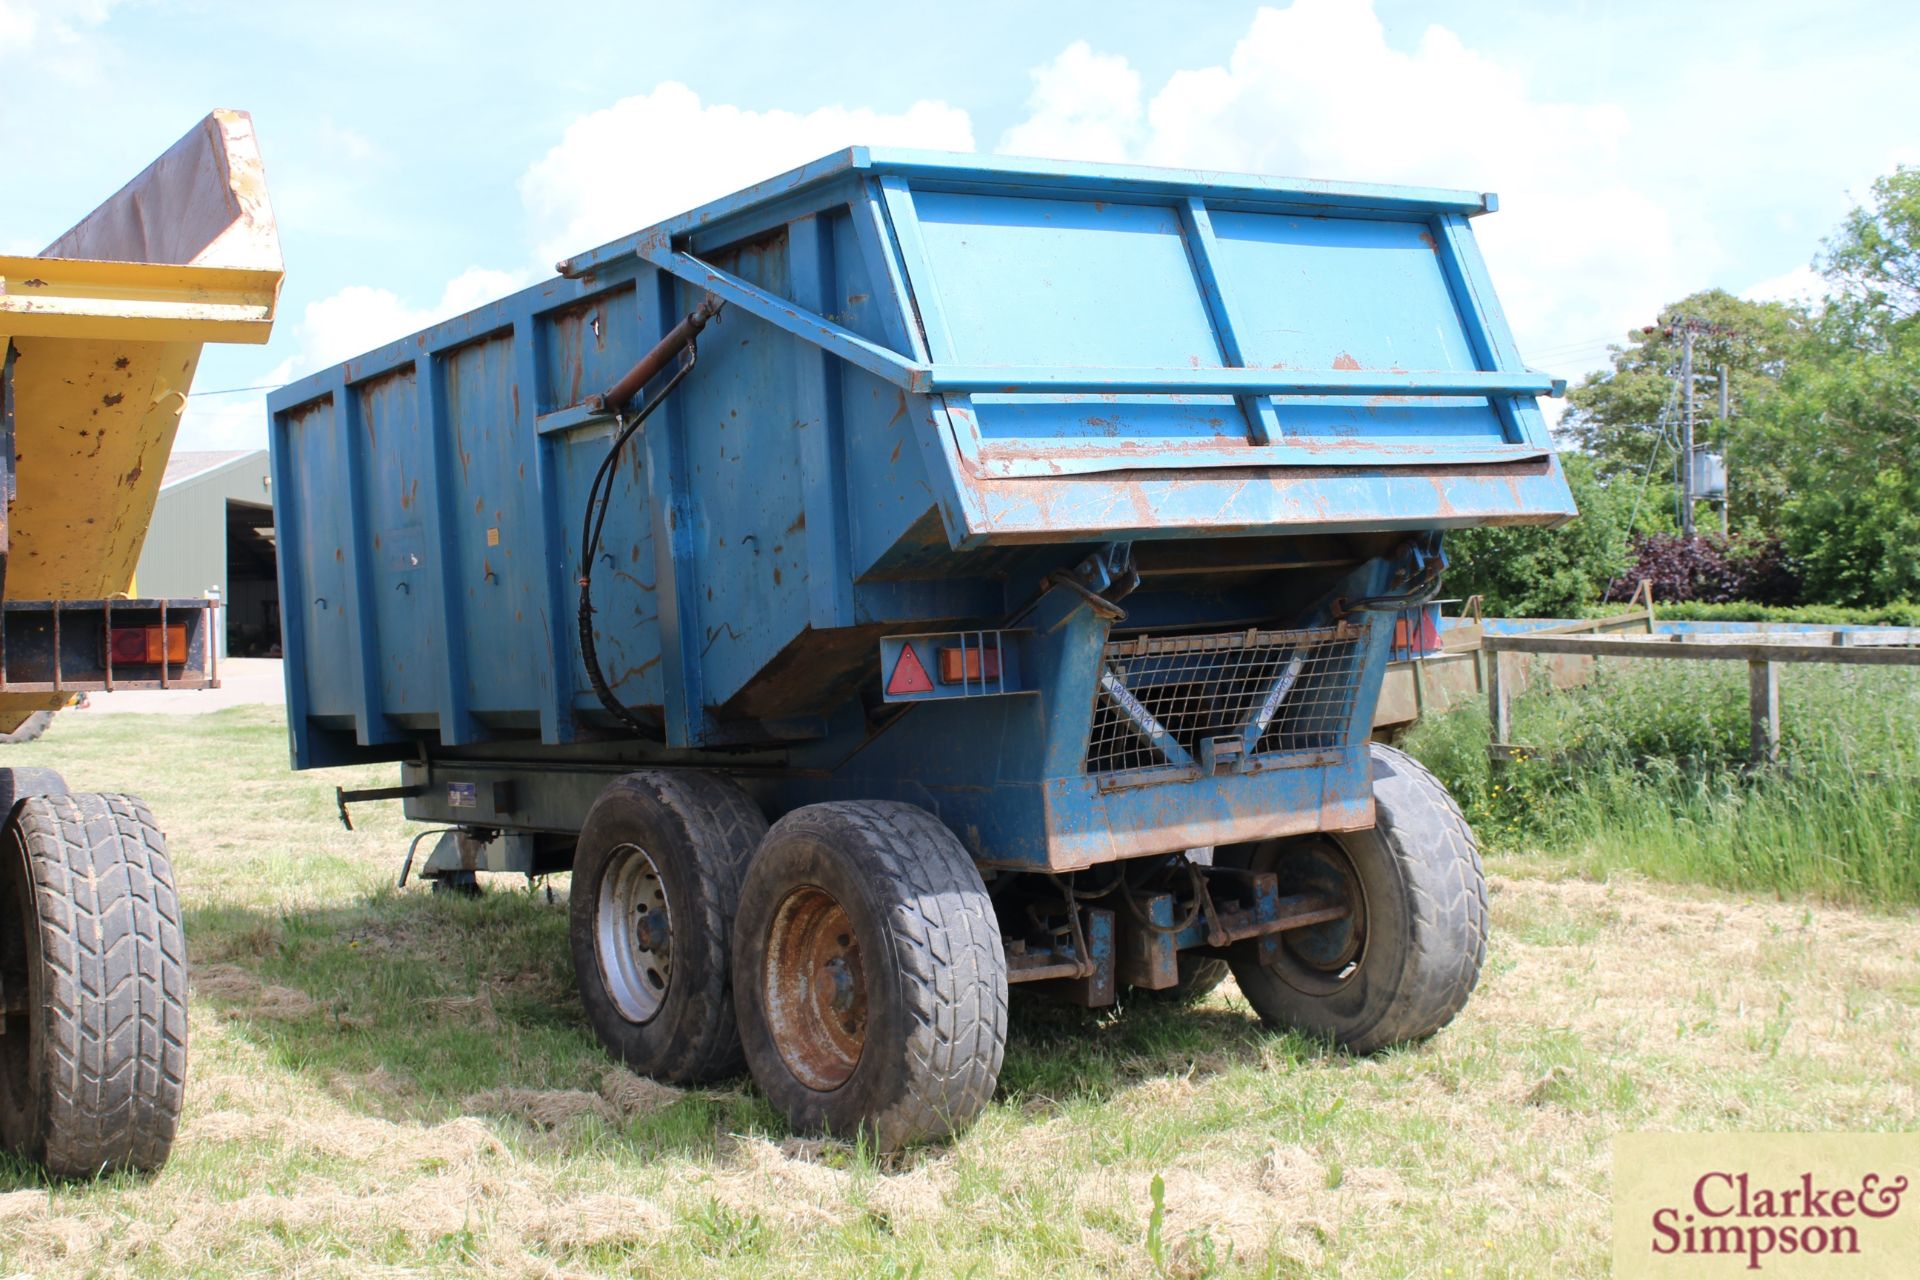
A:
x,y
102,333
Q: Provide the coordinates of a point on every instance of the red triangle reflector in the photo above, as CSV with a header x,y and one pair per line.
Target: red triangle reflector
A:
x,y
909,676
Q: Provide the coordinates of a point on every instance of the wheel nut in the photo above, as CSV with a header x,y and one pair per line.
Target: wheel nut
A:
x,y
644,926
837,973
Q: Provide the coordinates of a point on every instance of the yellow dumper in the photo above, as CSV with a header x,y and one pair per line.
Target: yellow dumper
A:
x,y
101,334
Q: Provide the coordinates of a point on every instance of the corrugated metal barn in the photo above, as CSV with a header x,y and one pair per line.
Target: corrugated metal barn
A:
x,y
213,530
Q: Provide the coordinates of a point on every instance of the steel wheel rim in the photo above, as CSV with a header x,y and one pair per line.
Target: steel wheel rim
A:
x,y
816,991
1322,958
633,934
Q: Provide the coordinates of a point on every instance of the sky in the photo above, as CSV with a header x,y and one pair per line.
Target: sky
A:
x,y
424,159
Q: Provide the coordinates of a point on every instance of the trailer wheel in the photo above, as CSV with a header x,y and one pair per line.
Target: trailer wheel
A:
x,y
17,784
1404,962
93,980
656,879
872,987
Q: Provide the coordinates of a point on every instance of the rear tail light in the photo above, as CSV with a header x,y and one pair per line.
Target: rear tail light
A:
x,y
149,645
959,666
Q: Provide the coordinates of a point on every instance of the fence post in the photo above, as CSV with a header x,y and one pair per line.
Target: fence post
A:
x,y
1763,704
1499,699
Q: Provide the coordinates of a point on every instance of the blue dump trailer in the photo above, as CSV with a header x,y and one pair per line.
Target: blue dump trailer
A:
x,y
1022,540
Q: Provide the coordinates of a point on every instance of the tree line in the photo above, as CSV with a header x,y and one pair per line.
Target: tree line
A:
x,y
1822,448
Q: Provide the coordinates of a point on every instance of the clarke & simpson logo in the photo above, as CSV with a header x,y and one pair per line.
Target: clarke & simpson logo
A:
x,y
1783,1204
1727,1214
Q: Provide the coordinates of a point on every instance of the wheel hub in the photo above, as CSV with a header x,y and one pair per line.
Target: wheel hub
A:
x,y
816,993
1320,959
633,934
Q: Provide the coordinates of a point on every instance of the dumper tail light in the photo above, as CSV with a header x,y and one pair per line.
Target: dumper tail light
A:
x,y
953,664
958,666
149,645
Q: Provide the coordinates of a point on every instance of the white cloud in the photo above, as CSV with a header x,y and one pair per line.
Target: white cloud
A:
x,y
1315,90
587,190
656,154
349,147
1084,105
25,23
360,317
1802,286
345,324
55,38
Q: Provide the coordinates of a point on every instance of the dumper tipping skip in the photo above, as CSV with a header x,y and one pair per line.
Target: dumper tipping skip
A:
x,y
1023,537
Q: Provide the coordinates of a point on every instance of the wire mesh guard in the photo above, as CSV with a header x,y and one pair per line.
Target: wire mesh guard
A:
x,y
1269,692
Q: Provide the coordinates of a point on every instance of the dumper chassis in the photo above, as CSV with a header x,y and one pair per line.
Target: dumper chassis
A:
x,y
1022,539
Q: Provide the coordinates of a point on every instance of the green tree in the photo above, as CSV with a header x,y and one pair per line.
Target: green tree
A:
x,y
1842,432
1873,261
1529,571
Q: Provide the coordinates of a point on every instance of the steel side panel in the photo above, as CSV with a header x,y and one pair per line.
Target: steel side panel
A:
x,y
436,503
402,565
316,598
495,515
742,455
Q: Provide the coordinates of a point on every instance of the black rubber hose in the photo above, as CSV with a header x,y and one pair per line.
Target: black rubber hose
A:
x,y
599,500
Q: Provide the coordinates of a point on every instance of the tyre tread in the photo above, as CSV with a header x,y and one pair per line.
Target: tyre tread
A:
x,y
115,982
949,955
723,826
1448,890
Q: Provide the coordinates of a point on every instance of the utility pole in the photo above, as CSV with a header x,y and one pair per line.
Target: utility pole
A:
x,y
1727,461
1686,431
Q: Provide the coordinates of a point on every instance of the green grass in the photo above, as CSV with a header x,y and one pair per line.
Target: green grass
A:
x,y
1646,769
387,1083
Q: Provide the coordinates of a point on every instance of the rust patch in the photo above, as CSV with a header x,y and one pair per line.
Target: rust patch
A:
x,y
799,523
121,363
1426,238
1345,361
112,400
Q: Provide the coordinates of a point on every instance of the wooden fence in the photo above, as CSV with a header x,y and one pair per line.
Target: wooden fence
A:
x,y
1762,655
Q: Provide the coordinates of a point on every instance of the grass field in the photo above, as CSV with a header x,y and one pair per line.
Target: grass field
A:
x,y
390,1084
1645,768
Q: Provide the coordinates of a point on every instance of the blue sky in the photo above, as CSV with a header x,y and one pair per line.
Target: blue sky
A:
x,y
425,158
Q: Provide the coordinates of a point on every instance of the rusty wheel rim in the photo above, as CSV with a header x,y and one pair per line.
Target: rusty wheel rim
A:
x,y
633,934
816,991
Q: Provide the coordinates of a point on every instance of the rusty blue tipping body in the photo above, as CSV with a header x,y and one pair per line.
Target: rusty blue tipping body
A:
x,y
939,389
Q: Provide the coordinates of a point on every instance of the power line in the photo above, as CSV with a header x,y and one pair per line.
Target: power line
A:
x,y
234,391
1585,345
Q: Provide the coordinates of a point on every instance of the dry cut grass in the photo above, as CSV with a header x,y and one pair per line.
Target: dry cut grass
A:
x,y
392,1085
